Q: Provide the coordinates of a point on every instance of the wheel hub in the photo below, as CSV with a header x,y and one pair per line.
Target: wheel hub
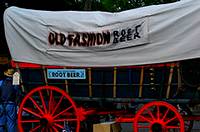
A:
x,y
157,127
46,120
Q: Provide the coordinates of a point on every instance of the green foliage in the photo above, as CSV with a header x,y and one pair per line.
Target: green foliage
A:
x,y
120,5
112,5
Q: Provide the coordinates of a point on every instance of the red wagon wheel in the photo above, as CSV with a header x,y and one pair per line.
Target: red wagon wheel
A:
x,y
158,116
48,109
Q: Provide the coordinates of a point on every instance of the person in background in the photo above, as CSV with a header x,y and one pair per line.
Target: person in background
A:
x,y
8,105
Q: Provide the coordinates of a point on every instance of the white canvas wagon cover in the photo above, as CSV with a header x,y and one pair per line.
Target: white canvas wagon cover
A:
x,y
152,34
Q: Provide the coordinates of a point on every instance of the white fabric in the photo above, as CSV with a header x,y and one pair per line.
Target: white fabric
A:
x,y
168,32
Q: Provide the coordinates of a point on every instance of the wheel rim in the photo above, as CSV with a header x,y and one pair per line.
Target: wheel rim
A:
x,y
41,111
185,111
158,116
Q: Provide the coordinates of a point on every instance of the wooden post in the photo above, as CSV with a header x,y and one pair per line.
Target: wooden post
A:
x,y
45,78
66,85
170,80
114,83
141,81
45,75
179,76
90,81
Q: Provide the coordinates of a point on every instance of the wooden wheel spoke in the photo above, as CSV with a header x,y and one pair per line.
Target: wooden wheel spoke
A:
x,y
50,101
43,129
54,129
158,111
35,128
165,115
43,102
170,120
58,125
31,112
48,130
58,104
37,106
151,114
144,118
29,121
62,112
51,129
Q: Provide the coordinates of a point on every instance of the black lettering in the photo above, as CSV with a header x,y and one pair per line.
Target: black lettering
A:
x,y
52,74
72,74
56,74
122,38
60,74
84,41
68,74
77,74
129,34
116,36
106,37
94,36
62,38
57,39
99,38
77,40
51,38
136,34
64,74
70,39
91,39
49,74
82,74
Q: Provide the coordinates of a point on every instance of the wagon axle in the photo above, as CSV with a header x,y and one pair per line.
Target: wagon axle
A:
x,y
46,120
157,127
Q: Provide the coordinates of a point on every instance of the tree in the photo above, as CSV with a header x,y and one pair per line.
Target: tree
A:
x,y
120,5
114,5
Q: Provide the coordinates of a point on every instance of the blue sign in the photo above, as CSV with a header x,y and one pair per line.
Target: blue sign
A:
x,y
66,74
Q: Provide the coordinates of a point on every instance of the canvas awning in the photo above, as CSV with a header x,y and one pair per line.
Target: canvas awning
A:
x,y
147,35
